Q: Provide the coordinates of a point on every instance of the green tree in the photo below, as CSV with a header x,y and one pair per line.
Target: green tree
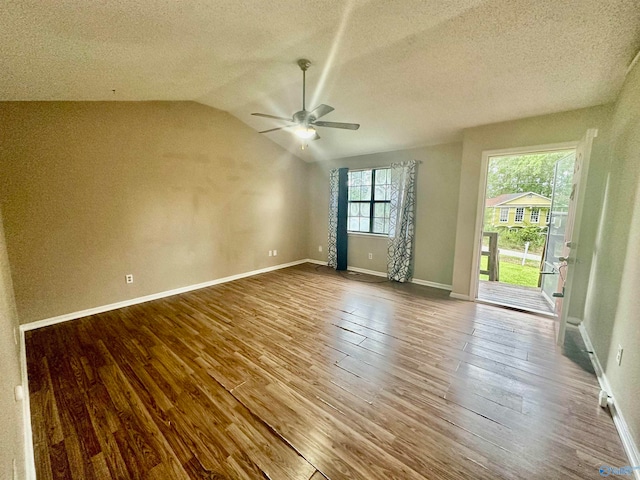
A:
x,y
522,173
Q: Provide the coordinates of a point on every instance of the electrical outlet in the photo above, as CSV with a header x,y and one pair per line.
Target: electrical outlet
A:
x,y
271,253
320,248
128,278
619,355
275,253
370,256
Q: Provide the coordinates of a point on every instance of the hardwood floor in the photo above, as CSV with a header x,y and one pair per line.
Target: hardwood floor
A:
x,y
303,373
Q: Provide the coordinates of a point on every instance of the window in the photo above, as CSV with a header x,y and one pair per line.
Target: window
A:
x,y
519,214
548,217
369,201
535,215
504,215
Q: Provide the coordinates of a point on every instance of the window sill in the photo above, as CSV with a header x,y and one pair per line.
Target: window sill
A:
x,y
362,234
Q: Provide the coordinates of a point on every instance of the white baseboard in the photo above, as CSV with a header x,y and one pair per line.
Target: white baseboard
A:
x,y
417,281
594,358
630,447
317,262
134,301
29,458
376,273
367,272
459,296
155,296
427,283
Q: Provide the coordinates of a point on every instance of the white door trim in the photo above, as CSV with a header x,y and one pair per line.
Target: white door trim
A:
x,y
482,186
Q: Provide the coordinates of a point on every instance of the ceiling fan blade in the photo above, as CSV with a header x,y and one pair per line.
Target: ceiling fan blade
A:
x,y
271,116
278,128
346,126
321,111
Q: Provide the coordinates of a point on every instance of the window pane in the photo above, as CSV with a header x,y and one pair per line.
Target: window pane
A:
x,y
386,226
354,209
381,176
365,209
354,193
387,193
353,223
355,179
379,193
378,225
378,210
364,224
381,210
365,193
519,214
366,177
534,215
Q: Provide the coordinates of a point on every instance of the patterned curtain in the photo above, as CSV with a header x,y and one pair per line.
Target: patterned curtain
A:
x,y
332,247
402,221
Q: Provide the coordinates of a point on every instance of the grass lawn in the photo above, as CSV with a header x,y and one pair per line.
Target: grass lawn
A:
x,y
512,272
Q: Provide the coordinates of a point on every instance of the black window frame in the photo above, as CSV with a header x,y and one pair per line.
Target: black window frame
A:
x,y
372,202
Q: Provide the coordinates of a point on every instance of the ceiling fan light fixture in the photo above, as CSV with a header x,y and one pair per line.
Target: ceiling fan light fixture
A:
x,y
304,121
305,132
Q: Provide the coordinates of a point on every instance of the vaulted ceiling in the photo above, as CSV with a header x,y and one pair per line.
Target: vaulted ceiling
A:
x,y
411,72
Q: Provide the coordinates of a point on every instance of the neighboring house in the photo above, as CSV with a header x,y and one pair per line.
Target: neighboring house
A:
x,y
514,210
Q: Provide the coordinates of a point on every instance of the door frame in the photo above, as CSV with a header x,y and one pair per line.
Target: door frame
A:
x,y
482,188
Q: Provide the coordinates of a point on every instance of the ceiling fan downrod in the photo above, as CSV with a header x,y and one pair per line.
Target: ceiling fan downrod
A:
x,y
304,65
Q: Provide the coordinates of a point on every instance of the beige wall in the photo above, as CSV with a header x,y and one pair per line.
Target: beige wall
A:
x,y
436,210
612,312
179,193
175,193
547,129
11,431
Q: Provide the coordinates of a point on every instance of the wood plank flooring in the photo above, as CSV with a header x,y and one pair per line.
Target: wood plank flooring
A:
x,y
524,298
304,373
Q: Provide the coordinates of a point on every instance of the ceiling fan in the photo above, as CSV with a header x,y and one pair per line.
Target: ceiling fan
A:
x,y
304,121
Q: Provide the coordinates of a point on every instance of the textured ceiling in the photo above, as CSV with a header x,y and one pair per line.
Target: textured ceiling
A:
x,y
411,72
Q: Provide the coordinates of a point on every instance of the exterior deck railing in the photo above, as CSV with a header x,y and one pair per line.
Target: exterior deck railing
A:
x,y
493,263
